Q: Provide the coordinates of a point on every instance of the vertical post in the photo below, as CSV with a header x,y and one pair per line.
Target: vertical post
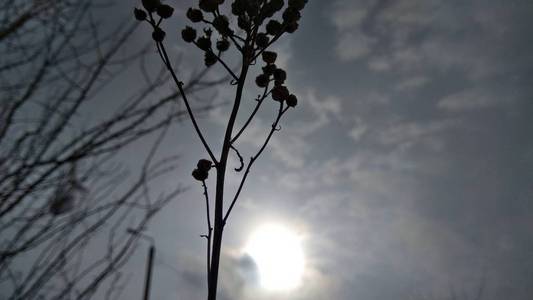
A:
x,y
148,276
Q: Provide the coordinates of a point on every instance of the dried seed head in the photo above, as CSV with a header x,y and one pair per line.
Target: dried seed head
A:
x,y
158,35
210,58
195,15
291,27
262,40
273,27
165,11
200,175
203,43
292,101
269,57
151,5
280,75
280,93
188,34
262,80
221,24
139,14
291,15
208,5
238,7
223,45
297,4
204,164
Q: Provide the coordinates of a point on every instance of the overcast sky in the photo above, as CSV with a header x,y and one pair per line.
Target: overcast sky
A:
x,y
407,166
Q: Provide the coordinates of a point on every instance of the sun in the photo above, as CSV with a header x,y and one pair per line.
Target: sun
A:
x,y
278,254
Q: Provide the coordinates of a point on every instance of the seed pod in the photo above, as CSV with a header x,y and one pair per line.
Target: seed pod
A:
x,y
210,58
204,164
269,57
139,14
158,35
280,93
280,75
188,34
165,11
208,5
223,45
203,43
195,15
221,24
238,7
297,4
252,8
291,27
273,27
277,4
262,40
268,11
243,22
292,101
262,80
200,175
269,69
291,15
151,5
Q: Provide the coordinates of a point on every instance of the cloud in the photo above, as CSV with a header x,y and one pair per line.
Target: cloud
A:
x,y
405,134
469,99
418,36
353,45
412,83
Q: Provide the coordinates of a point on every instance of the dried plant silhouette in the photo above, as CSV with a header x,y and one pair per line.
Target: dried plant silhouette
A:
x,y
66,203
257,29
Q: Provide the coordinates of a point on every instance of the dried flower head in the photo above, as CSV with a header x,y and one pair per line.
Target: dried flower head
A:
x,y
210,58
292,101
291,15
269,69
269,57
188,34
262,80
204,164
223,45
221,24
139,14
280,75
203,43
151,5
158,35
291,27
273,27
165,11
195,15
208,5
262,40
200,175
297,4
280,93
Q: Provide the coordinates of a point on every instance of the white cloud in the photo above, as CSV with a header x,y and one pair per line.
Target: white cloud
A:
x,y
414,36
353,45
470,99
412,83
357,132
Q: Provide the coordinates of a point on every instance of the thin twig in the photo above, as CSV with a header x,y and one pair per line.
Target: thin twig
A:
x,y
281,111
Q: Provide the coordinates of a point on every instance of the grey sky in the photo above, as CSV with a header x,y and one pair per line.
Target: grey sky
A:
x,y
407,165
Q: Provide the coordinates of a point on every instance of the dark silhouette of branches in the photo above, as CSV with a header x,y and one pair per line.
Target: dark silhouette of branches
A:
x,y
66,201
258,28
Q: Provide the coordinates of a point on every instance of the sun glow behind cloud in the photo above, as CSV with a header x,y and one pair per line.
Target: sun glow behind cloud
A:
x,y
278,253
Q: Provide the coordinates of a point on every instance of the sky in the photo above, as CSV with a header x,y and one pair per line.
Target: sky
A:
x,y
406,168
